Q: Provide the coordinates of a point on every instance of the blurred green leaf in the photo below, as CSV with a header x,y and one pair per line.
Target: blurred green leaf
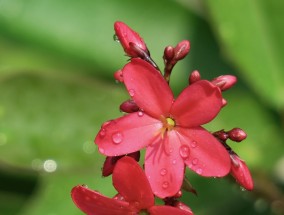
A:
x,y
252,34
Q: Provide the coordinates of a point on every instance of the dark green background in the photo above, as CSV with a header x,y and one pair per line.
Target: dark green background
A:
x,y
57,60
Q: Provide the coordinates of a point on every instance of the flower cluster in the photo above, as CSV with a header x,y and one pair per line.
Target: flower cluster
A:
x,y
169,128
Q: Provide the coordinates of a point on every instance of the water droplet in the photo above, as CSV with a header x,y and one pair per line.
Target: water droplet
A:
x,y
117,137
163,172
102,132
199,171
242,188
165,184
106,123
49,165
115,38
184,151
101,150
195,161
193,144
140,113
174,161
84,185
131,92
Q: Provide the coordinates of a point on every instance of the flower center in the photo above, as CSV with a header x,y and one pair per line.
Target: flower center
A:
x,y
169,124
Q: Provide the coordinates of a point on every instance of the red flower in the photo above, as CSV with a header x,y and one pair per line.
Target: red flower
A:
x,y
169,128
131,183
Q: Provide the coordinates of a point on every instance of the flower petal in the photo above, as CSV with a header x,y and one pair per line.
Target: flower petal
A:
x,y
93,203
164,167
167,210
241,173
197,104
147,88
127,134
130,181
207,156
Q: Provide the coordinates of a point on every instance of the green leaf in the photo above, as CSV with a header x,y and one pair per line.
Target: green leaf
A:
x,y
252,35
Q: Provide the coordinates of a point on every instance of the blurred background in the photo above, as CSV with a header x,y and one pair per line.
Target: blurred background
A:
x,y
57,60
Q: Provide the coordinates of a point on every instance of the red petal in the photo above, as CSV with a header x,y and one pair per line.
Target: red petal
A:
x,y
197,104
147,88
130,181
127,134
167,210
93,203
241,173
164,167
207,156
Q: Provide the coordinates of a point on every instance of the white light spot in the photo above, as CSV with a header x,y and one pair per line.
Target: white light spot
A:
x,y
49,165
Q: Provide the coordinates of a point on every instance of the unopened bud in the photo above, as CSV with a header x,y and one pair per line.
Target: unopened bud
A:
x,y
129,106
237,134
118,76
221,135
240,172
181,50
168,53
194,76
126,35
224,82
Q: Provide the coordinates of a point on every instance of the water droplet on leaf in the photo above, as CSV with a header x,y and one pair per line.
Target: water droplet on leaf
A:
x,y
184,151
117,138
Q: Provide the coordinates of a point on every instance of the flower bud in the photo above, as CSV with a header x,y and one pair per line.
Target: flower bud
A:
x,y
181,50
129,106
224,82
240,172
126,35
221,135
118,76
168,53
237,134
194,76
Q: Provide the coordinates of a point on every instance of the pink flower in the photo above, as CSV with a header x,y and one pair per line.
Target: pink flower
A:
x,y
169,129
135,194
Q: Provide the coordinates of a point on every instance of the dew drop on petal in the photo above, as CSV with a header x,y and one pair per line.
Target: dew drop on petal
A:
x,y
117,138
165,185
163,172
102,132
195,161
199,171
193,144
101,150
131,92
184,151
140,113
174,161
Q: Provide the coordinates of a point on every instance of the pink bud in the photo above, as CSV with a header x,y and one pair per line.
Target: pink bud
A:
x,y
118,76
181,50
221,135
194,76
126,36
241,173
129,106
237,134
224,82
